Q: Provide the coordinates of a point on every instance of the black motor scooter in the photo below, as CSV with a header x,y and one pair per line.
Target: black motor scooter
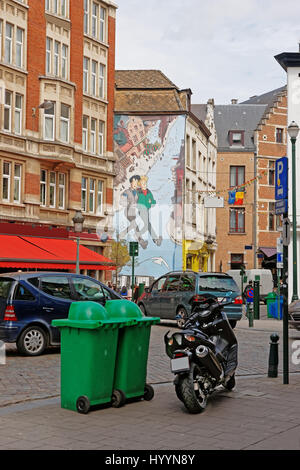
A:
x,y
203,354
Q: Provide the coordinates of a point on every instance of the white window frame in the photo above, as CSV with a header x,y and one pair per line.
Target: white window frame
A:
x,y
19,48
64,61
102,71
92,190
57,47
49,117
8,43
100,184
84,179
101,133
86,8
86,62
64,8
8,108
61,188
94,29
1,37
18,113
17,182
85,133
43,184
102,29
64,120
93,136
52,185
48,5
94,77
49,43
55,7
6,176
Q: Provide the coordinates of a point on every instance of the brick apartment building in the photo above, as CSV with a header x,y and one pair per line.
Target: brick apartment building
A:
x,y
251,136
57,60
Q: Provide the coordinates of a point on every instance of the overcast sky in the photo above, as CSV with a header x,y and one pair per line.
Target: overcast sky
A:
x,y
221,49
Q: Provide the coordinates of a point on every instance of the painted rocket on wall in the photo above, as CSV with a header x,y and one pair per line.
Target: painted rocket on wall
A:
x,y
148,189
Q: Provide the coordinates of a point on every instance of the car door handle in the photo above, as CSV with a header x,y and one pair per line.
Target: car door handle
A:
x,y
48,308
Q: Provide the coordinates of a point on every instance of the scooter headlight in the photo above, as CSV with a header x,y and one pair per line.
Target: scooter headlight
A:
x,y
178,339
190,338
170,342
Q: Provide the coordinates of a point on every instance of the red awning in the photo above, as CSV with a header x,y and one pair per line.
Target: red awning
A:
x,y
48,253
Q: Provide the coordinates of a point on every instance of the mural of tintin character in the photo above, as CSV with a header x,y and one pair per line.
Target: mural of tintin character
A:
x,y
145,202
129,199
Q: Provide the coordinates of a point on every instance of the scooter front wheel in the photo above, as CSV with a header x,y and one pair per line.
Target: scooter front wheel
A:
x,y
190,391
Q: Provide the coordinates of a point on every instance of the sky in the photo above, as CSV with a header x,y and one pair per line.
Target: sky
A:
x,y
220,49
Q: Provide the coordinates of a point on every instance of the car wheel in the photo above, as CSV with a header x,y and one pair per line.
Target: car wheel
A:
x,y
32,341
181,315
143,310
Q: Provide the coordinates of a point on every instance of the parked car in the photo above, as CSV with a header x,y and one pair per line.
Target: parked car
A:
x,y
294,315
30,301
172,295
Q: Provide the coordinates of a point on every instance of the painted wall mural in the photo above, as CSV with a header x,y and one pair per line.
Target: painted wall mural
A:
x,y
148,190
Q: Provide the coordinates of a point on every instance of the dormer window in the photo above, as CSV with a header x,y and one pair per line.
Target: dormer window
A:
x,y
236,138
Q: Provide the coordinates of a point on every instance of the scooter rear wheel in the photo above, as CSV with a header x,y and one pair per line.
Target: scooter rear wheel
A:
x,y
192,397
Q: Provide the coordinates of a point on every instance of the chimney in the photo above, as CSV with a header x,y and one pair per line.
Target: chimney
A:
x,y
234,101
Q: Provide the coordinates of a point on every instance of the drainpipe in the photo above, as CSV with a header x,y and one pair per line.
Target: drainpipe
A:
x,y
255,213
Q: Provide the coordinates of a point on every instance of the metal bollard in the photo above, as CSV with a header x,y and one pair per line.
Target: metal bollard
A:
x,y
273,356
249,313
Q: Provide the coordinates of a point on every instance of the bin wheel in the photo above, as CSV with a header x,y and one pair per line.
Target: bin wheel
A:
x,y
118,399
148,392
83,404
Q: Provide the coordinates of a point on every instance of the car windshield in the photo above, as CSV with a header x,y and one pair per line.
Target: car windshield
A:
x,y
219,283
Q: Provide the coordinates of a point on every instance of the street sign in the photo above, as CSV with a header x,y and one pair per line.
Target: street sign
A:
x,y
248,247
279,263
281,178
281,206
213,202
286,232
250,295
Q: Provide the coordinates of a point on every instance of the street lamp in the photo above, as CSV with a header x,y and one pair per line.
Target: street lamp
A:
x,y
78,220
293,131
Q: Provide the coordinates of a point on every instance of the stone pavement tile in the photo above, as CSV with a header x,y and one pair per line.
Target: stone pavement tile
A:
x,y
288,440
22,445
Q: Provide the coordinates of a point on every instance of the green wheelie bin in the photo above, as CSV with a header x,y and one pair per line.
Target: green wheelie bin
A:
x,y
89,343
270,299
133,347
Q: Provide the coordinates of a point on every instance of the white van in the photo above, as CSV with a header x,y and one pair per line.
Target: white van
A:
x,y
265,283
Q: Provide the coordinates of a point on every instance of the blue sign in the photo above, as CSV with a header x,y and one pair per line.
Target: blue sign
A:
x,y
250,295
281,206
281,178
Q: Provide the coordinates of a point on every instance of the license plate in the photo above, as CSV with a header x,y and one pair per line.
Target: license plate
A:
x,y
180,364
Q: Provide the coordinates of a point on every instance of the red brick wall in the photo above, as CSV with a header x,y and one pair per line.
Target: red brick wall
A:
x,y
111,82
36,52
75,192
32,184
76,65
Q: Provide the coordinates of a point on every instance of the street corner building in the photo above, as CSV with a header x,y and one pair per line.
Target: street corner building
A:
x,y
156,188
56,127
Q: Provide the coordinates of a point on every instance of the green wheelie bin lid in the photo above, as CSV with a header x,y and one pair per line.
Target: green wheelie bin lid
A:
x,y
127,310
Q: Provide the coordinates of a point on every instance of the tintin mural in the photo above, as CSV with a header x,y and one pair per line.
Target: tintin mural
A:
x,y
148,190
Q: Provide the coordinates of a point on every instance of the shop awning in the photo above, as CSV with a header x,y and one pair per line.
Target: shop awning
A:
x,y
48,253
268,252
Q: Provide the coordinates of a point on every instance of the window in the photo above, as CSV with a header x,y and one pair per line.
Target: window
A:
x,y
7,110
101,137
236,261
100,197
86,16
64,61
48,55
274,221
61,190
102,24
236,138
6,181
64,122
237,220
19,47
187,283
49,123
93,136
188,151
47,5
193,154
237,176
88,290
92,196
271,172
55,6
43,188
52,189
94,19
93,78
85,74
5,286
84,133
17,183
1,29
21,293
57,286
279,135
172,284
63,7
18,114
159,285
56,57
8,43
101,80
83,194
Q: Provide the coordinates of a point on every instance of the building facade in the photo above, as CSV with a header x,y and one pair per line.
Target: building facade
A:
x,y
56,78
160,145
